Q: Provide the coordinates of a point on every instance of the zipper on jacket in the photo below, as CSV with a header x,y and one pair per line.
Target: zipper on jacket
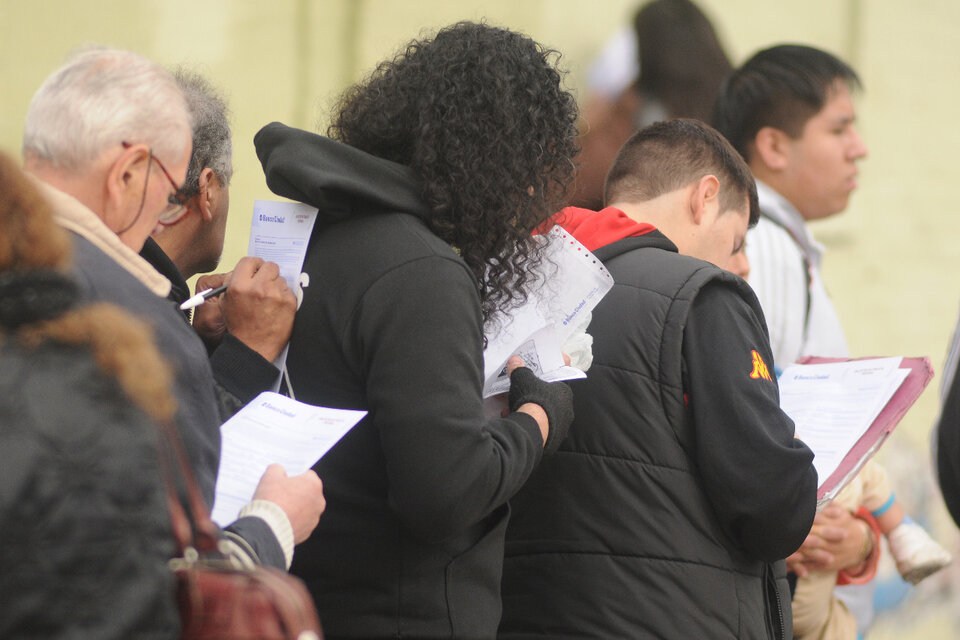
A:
x,y
772,586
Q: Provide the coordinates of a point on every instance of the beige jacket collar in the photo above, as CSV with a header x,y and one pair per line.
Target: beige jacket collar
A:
x,y
71,214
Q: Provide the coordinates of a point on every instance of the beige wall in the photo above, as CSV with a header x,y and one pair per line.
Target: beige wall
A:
x,y
893,256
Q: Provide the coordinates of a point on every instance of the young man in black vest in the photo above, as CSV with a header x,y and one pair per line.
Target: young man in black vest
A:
x,y
668,510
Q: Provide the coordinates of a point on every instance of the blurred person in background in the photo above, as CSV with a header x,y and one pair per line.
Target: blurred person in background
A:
x,y
681,66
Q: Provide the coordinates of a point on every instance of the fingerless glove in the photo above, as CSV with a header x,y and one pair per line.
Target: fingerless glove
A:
x,y
555,398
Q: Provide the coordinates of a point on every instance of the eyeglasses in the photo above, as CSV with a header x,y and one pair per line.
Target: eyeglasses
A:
x,y
176,202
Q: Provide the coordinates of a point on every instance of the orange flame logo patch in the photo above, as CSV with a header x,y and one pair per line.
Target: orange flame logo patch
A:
x,y
760,369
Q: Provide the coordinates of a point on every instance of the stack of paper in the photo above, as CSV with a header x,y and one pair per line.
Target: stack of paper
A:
x,y
569,284
845,409
833,404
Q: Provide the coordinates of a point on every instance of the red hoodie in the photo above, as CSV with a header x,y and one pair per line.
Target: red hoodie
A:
x,y
595,229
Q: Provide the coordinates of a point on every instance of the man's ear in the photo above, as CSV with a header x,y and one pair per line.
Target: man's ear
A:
x,y
124,186
705,192
209,193
770,147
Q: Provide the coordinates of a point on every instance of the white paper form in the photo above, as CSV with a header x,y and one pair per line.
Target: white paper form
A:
x,y
272,428
833,404
279,232
570,283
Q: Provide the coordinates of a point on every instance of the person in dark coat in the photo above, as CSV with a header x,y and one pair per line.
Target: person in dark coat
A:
x,y
947,432
84,529
246,327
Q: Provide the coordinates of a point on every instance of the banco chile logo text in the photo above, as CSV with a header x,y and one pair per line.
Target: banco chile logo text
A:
x,y
277,219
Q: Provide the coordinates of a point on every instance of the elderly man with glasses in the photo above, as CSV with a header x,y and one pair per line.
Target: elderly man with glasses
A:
x,y
108,136
247,327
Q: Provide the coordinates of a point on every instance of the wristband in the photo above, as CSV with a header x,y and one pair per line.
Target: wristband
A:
x,y
872,557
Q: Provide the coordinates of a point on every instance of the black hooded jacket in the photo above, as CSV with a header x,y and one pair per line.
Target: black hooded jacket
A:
x,y
411,542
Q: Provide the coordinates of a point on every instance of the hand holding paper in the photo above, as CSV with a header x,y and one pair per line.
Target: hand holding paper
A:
x,y
570,283
258,307
300,497
273,429
554,400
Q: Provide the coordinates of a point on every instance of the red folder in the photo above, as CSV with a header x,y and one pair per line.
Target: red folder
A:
x,y
921,372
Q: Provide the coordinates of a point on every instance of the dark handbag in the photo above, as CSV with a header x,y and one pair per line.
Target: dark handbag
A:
x,y
215,598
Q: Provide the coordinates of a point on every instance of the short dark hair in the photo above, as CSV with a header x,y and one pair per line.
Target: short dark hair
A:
x,y
780,87
671,154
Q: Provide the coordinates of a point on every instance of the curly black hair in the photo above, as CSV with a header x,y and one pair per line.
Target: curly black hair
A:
x,y
480,114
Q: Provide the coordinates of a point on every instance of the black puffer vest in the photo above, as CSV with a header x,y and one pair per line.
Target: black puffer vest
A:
x,y
613,537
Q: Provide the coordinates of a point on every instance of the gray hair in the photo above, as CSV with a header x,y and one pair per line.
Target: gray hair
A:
x,y
212,146
100,98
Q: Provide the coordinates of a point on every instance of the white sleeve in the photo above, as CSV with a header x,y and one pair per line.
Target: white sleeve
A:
x,y
778,276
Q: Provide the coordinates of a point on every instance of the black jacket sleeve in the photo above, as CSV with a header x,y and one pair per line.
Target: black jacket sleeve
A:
x,y
418,336
948,449
240,375
758,477
256,535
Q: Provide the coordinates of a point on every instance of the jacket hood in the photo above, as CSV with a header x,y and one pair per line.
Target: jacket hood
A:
x,y
334,177
609,232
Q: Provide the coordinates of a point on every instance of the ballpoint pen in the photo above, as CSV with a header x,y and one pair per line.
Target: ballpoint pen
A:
x,y
202,297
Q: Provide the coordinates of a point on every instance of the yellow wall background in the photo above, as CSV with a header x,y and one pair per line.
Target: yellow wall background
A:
x,y
893,256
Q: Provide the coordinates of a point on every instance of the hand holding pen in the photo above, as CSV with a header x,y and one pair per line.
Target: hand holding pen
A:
x,y
257,308
202,297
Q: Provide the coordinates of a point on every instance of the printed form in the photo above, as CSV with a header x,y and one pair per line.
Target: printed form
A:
x,y
833,404
569,284
272,428
280,232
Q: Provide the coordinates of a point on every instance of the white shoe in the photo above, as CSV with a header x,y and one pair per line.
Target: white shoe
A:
x,y
917,554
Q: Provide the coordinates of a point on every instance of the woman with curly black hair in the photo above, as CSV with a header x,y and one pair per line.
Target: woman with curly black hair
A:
x,y
439,166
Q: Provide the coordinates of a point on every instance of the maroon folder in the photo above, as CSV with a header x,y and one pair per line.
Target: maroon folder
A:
x,y
921,372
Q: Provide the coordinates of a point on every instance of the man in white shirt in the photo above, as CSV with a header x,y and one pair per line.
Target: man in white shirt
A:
x,y
789,111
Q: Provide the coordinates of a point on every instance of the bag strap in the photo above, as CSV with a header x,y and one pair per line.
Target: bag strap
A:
x,y
807,270
193,527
